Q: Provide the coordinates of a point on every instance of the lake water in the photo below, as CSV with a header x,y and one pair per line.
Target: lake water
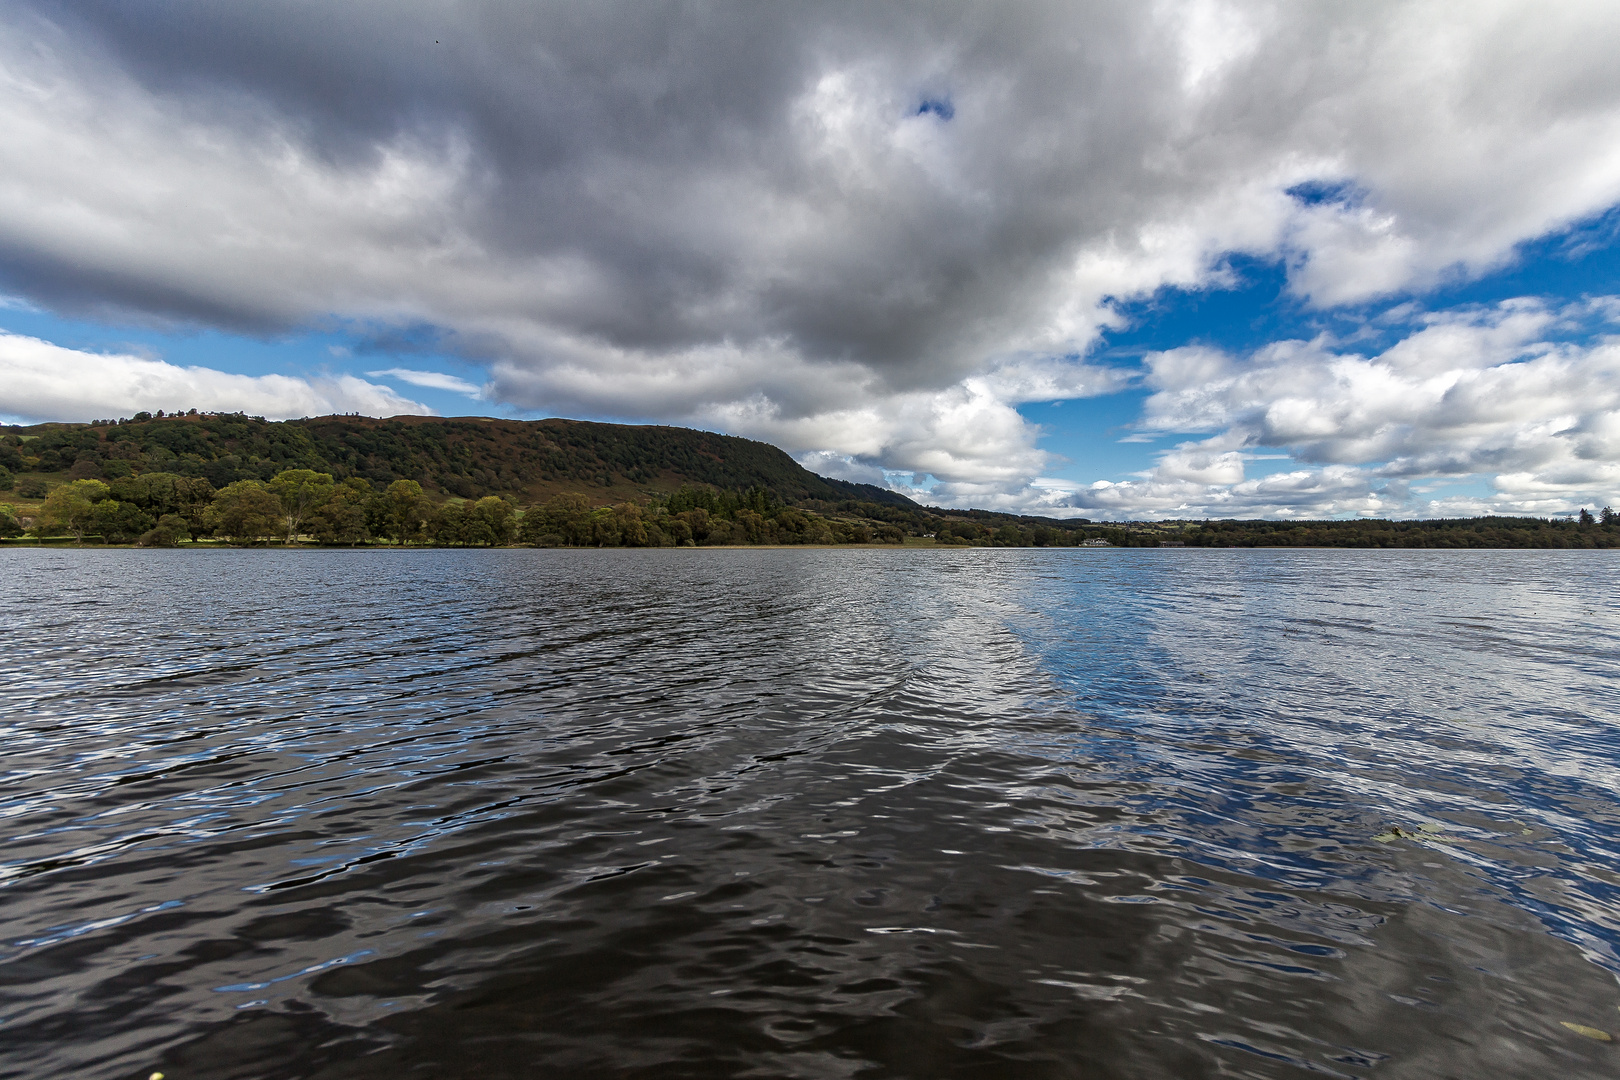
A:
x,y
819,813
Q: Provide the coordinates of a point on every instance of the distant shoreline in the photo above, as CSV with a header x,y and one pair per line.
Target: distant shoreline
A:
x,y
69,545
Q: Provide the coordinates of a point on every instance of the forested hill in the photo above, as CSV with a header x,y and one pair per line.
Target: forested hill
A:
x,y
467,457
412,479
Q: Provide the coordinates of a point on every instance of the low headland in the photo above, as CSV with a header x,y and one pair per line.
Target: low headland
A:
x,y
226,479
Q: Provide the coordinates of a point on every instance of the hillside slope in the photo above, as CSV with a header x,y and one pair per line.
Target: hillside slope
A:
x,y
461,456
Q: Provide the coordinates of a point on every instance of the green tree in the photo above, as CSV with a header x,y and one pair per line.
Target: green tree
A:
x,y
170,531
7,481
192,497
632,527
9,525
341,519
406,508
790,527
243,511
697,522
603,526
448,525
752,524
72,507
565,517
138,489
160,493
496,522
853,532
301,491
960,532
119,522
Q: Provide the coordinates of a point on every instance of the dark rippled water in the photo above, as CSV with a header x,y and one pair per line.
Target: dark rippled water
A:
x,y
809,814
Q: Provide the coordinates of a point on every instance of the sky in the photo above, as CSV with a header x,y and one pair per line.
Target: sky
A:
x,y
1118,261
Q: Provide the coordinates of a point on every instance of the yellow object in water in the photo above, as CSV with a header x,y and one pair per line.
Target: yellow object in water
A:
x,y
1589,1032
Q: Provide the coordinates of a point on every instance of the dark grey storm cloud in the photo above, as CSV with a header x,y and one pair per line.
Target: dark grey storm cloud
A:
x,y
664,150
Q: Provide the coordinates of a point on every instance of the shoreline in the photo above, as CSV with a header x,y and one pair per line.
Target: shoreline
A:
x,y
927,546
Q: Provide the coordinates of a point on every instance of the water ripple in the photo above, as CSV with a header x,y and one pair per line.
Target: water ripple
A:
x,y
801,813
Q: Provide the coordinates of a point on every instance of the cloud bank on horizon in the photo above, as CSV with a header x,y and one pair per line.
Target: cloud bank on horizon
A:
x,y
872,234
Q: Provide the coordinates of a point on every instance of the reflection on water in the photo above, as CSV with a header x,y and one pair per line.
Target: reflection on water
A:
x,y
809,813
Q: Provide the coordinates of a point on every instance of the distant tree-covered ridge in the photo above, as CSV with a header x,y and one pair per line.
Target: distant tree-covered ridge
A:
x,y
423,480
1587,530
466,457
161,481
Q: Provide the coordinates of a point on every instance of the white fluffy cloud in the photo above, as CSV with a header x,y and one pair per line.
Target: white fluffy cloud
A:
x,y
1482,392
866,233
430,380
41,381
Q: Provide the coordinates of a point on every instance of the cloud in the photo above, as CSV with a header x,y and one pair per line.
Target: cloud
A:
x,y
1476,390
1471,392
431,380
1304,493
865,231
843,467
40,381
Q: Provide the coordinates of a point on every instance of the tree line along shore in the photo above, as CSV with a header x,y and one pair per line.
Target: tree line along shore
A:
x,y
301,506
187,479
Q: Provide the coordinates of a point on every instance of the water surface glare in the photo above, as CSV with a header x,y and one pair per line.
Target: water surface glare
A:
x,y
818,813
